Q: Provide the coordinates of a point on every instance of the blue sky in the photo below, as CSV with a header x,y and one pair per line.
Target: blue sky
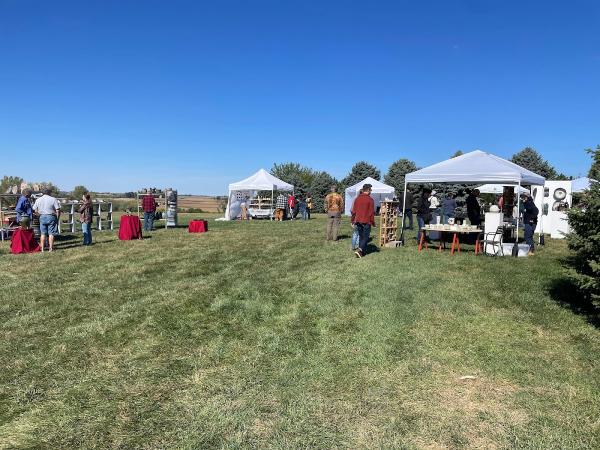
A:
x,y
116,95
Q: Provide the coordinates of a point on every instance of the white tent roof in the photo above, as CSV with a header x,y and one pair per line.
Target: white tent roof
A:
x,y
475,167
261,181
499,189
581,184
378,186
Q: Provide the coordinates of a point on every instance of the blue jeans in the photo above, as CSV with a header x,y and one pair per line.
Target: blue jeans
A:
x,y
149,221
529,229
408,215
355,238
364,231
421,224
48,224
87,233
304,213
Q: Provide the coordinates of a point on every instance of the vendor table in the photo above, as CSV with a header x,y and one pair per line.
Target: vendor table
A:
x,y
455,241
23,241
198,226
130,228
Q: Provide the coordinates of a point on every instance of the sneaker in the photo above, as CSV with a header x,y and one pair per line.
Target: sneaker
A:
x,y
358,253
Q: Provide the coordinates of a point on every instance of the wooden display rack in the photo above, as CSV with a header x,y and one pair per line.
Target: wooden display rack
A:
x,y
388,222
70,211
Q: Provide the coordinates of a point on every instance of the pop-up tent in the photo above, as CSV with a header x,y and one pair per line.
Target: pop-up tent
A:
x,y
249,187
499,189
379,192
473,168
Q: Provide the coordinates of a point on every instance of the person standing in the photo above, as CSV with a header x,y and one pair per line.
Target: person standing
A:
x,y
280,207
407,209
23,208
363,218
449,207
423,213
530,218
48,208
86,213
291,206
302,208
149,206
309,205
334,205
473,208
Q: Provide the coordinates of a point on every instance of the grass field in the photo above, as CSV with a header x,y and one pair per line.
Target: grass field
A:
x,y
262,334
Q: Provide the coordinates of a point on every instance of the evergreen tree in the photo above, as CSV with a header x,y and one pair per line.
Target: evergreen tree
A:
x,y
359,172
458,153
530,159
319,188
594,172
396,173
584,220
295,174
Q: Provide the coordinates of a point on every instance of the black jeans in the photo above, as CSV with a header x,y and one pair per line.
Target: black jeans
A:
x,y
408,215
364,231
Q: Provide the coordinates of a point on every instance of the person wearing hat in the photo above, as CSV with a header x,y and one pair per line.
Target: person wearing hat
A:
x,y
530,218
473,208
363,218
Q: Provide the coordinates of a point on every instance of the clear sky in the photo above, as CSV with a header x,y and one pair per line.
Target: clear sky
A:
x,y
116,95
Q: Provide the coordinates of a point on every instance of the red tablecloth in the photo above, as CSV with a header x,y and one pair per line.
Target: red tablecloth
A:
x,y
23,241
198,226
130,228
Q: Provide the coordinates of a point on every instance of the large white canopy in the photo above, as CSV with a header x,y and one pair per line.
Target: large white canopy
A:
x,y
379,191
475,167
499,189
260,181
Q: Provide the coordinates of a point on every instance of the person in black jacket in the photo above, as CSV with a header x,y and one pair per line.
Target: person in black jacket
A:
x,y
530,218
407,209
473,208
423,213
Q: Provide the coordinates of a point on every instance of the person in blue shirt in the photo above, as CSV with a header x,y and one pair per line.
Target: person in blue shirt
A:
x,y
24,208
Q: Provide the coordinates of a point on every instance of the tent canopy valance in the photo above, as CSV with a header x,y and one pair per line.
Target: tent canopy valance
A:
x,y
379,191
249,187
476,167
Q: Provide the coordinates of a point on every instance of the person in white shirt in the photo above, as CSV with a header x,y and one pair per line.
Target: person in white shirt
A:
x,y
48,208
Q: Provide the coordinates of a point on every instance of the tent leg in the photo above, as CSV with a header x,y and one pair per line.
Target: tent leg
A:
x,y
272,212
403,212
515,249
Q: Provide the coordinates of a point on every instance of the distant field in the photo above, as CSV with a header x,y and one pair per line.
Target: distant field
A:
x,y
205,203
261,334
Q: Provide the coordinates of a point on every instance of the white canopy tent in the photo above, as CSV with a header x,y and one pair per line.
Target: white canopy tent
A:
x,y
475,167
581,184
249,187
499,189
379,192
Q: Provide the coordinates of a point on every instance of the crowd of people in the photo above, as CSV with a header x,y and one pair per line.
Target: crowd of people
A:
x,y
292,206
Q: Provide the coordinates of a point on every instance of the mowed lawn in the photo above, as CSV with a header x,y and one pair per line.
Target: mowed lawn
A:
x,y
263,335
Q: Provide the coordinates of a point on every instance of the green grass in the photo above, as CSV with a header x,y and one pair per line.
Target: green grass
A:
x,y
262,334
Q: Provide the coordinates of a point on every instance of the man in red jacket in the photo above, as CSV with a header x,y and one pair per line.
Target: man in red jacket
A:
x,y
363,218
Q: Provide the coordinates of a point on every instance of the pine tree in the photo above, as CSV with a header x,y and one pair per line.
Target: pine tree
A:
x,y
530,159
594,172
397,172
319,188
359,172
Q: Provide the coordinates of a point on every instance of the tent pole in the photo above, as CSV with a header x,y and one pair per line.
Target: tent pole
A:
x,y
515,249
541,219
403,212
272,212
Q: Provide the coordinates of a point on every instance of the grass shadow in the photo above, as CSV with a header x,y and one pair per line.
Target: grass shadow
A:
x,y
566,293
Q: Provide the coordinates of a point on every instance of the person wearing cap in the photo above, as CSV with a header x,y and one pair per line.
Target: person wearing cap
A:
x,y
530,218
23,208
363,218
149,206
48,209
334,205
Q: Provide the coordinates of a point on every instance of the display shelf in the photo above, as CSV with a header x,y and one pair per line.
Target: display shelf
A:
x,y
388,222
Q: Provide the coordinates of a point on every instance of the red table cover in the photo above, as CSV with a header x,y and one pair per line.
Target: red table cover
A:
x,y
130,228
23,241
198,226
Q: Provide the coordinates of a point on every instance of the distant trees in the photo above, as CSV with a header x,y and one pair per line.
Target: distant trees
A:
x,y
584,220
396,173
78,192
8,181
320,186
457,153
294,173
54,191
530,159
359,172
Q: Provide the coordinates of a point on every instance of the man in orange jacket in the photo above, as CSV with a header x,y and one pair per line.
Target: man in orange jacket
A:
x,y
363,218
